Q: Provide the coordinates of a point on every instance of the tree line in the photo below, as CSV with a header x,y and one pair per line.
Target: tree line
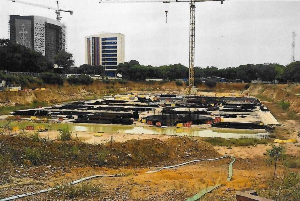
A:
x,y
262,72
18,58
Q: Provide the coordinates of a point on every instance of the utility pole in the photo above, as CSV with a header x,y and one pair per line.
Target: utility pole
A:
x,y
293,46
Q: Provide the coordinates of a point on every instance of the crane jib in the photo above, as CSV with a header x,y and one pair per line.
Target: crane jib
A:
x,y
57,10
192,30
155,1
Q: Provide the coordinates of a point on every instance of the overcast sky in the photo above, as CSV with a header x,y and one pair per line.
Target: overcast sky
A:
x,y
237,32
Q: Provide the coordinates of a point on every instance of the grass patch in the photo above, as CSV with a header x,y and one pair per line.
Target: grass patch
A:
x,y
83,190
292,162
65,134
292,115
235,142
22,125
284,105
236,131
34,104
35,136
34,155
286,188
135,153
264,98
5,166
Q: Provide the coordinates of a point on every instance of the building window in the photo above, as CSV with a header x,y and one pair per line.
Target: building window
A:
x,y
109,38
109,51
109,43
109,59
109,55
111,68
109,47
109,63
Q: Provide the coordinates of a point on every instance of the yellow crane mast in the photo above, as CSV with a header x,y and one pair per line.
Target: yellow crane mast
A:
x,y
192,29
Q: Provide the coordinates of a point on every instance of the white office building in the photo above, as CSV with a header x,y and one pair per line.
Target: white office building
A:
x,y
107,50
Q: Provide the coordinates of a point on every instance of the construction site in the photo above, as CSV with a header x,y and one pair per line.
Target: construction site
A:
x,y
163,110
156,155
111,140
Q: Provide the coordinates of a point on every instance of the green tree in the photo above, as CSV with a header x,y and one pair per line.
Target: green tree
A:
x,y
51,78
275,154
64,60
173,72
292,72
89,69
82,79
18,58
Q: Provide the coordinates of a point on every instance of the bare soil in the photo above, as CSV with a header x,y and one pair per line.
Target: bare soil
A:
x,y
251,169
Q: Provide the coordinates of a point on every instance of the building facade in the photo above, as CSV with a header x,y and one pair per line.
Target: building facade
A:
x,y
41,34
107,50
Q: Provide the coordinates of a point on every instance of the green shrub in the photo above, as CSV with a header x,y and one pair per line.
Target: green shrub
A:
x,y
217,141
34,155
52,78
179,83
122,81
210,83
163,81
292,162
83,190
75,151
65,134
286,188
102,157
198,81
292,115
284,105
35,136
82,79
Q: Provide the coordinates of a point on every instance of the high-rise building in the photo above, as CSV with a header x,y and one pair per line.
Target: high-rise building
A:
x,y
107,50
41,34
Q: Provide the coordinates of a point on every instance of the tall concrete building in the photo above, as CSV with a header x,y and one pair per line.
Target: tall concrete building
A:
x,y
107,50
41,34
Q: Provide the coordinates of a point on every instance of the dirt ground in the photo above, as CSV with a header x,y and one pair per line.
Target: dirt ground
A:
x,y
101,138
250,171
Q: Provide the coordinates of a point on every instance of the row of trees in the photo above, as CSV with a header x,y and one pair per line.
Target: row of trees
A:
x,y
44,78
18,58
264,72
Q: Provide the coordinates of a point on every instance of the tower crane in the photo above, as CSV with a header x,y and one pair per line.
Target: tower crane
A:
x,y
192,28
57,9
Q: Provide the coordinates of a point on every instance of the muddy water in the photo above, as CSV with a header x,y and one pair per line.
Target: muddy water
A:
x,y
112,129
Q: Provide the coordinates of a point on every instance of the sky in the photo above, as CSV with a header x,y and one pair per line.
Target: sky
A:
x,y
235,33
